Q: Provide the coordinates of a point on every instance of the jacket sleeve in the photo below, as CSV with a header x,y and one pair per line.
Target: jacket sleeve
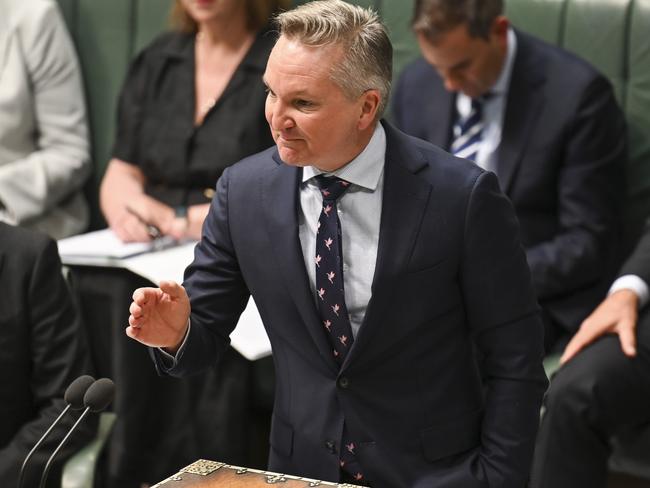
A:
x,y
639,261
218,293
503,316
590,192
59,164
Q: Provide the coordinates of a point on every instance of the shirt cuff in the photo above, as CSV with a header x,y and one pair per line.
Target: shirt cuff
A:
x,y
169,361
634,283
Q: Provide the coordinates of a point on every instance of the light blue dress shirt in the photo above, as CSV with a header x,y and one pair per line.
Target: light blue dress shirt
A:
x,y
359,210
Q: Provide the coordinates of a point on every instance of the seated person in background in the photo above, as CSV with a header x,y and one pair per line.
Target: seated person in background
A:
x,y
192,104
41,353
44,157
603,385
546,123
374,322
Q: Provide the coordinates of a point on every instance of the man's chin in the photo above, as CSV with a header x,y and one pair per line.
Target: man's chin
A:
x,y
291,157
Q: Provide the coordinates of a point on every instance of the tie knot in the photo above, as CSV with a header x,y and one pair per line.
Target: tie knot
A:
x,y
331,187
477,104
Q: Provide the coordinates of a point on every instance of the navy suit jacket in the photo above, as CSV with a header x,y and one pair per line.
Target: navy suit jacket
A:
x,y
451,276
561,162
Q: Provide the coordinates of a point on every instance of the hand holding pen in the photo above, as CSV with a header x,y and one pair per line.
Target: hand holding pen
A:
x,y
152,230
143,220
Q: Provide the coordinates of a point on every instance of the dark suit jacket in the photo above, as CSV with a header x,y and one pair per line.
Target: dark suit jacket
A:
x,y
638,263
561,163
450,276
40,354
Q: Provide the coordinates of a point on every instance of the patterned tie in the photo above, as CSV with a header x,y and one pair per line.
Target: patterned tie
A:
x,y
331,296
329,269
468,132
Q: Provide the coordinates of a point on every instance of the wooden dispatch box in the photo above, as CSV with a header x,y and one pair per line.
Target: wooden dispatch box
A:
x,y
212,474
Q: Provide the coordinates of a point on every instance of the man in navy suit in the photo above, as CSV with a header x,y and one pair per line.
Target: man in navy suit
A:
x,y
376,374
548,126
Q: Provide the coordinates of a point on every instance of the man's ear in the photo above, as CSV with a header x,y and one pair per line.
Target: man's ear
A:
x,y
370,100
500,27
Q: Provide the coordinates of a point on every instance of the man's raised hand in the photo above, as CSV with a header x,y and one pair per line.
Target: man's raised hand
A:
x,y
159,316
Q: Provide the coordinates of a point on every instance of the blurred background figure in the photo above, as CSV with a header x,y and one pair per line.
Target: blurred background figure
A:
x,y
547,123
192,104
44,153
42,351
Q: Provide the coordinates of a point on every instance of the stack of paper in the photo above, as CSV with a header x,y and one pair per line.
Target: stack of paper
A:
x,y
163,259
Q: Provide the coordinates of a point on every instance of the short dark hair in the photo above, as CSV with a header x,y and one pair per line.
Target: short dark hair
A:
x,y
434,17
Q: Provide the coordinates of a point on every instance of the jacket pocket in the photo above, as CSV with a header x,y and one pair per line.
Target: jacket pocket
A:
x,y
452,437
281,436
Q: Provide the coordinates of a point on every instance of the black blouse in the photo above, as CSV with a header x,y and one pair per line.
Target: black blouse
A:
x,y
155,121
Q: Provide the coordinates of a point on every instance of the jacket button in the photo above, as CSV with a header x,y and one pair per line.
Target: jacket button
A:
x,y
344,382
331,446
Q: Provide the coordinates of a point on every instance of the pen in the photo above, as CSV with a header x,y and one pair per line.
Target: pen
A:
x,y
152,230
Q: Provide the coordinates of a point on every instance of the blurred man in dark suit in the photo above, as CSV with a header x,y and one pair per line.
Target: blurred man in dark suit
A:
x,y
41,353
603,385
546,123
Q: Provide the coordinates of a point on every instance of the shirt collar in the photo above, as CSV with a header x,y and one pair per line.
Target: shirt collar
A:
x,y
503,82
365,170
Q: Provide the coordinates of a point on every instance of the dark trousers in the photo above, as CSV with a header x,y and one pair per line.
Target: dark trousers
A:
x,y
597,395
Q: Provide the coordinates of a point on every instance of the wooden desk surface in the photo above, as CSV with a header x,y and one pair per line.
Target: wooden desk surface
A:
x,y
212,474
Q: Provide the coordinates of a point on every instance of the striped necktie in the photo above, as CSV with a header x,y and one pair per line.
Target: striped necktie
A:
x,y
468,132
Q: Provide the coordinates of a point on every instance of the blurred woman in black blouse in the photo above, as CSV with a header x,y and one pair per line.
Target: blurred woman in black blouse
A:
x,y
192,104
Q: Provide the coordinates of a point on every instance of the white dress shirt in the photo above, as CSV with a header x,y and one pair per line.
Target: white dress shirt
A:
x,y
634,283
493,109
359,211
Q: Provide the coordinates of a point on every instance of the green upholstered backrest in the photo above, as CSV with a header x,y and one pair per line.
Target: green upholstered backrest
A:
x,y
612,34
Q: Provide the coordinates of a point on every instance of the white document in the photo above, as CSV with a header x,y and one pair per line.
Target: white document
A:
x,y
104,245
104,248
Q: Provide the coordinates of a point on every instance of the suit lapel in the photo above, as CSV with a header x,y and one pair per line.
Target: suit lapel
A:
x,y
280,199
404,201
525,100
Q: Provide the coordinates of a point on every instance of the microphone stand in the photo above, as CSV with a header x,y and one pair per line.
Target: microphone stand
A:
x,y
59,447
38,444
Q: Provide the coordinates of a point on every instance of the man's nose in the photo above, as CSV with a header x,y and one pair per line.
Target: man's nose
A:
x,y
452,83
281,119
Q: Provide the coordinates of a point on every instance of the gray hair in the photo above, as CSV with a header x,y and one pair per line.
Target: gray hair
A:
x,y
368,54
432,18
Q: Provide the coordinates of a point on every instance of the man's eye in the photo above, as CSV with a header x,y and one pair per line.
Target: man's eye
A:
x,y
269,92
304,103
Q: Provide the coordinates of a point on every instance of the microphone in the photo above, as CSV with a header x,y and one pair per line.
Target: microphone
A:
x,y
74,398
98,396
